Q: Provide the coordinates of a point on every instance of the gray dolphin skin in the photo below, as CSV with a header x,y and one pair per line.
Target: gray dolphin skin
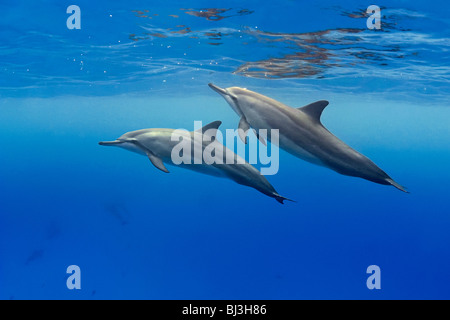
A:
x,y
157,145
301,133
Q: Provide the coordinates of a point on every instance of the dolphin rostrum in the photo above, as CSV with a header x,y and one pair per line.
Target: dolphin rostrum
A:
x,y
158,146
301,133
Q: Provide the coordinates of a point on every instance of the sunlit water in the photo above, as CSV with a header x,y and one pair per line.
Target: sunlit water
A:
x,y
138,233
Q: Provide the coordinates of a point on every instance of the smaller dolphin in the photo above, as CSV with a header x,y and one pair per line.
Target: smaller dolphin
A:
x,y
157,145
301,133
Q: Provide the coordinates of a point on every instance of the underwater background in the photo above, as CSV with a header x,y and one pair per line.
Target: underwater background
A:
x,y
137,233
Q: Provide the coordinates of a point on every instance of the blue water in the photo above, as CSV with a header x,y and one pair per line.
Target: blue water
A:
x,y
137,233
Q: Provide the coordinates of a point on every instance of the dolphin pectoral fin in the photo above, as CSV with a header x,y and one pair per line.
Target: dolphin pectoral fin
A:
x,y
263,141
315,109
243,129
244,126
157,162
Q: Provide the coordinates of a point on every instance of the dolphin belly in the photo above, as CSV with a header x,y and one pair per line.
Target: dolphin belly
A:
x,y
247,175
296,150
209,170
333,153
291,137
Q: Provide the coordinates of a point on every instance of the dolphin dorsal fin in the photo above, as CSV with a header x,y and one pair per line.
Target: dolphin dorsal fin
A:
x,y
314,109
213,127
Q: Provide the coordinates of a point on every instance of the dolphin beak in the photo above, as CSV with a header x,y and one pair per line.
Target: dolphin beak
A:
x,y
218,89
110,143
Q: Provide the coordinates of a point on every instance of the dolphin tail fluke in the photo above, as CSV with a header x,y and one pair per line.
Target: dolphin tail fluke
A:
x,y
280,199
395,184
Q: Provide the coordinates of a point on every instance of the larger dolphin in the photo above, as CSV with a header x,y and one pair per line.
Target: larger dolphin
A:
x,y
301,133
157,145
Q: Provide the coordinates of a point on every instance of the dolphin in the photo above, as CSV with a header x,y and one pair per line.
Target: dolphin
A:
x,y
157,145
301,133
